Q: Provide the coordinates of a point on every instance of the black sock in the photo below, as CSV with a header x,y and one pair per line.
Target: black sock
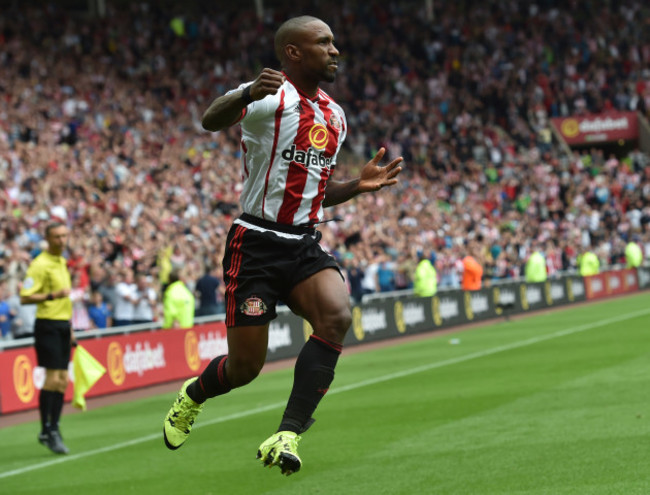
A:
x,y
312,377
57,407
45,399
212,382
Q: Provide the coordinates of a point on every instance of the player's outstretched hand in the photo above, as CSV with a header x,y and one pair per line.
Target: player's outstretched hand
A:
x,y
374,176
267,83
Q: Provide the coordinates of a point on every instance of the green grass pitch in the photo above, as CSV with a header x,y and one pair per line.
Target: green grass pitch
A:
x,y
554,403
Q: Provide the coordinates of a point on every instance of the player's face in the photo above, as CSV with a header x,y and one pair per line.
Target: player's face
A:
x,y
320,55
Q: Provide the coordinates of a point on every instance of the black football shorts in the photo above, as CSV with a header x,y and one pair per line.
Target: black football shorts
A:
x,y
263,262
52,343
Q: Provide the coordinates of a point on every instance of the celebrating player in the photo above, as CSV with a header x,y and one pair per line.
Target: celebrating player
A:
x,y
291,133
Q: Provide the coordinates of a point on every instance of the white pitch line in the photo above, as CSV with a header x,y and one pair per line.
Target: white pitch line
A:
x,y
345,388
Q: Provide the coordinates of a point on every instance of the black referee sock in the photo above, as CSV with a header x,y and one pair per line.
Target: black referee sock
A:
x,y
212,382
45,399
57,407
312,377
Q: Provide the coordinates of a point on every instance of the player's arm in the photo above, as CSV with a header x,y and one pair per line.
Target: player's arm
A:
x,y
373,177
227,109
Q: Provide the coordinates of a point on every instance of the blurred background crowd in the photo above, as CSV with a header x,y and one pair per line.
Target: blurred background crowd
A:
x,y
100,128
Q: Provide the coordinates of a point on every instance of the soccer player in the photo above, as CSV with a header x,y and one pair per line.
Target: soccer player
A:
x,y
291,133
47,284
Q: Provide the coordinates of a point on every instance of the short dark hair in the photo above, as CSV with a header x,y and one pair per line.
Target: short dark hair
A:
x,y
51,226
287,30
174,276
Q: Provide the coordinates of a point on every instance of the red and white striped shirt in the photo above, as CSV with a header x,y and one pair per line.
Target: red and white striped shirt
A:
x,y
289,144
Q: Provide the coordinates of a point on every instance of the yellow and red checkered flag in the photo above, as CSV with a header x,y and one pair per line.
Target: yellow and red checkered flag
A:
x,y
87,370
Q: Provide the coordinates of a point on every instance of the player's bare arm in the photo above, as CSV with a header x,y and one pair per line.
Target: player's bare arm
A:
x,y
226,110
373,177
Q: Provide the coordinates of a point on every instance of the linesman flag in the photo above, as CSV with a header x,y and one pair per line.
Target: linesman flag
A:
x,y
87,370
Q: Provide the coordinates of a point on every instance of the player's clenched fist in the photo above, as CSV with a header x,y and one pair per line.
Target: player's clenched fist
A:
x,y
267,83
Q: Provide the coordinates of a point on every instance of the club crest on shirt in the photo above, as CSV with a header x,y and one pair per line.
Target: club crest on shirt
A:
x,y
253,306
318,136
335,122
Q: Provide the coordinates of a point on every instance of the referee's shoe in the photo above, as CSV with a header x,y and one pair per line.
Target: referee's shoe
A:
x,y
53,441
180,418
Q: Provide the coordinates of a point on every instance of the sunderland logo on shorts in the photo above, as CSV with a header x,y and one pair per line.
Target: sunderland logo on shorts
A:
x,y
253,306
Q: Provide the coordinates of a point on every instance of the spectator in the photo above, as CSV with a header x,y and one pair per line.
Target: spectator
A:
x,y
450,269
125,300
22,325
80,298
404,269
98,311
386,274
6,313
145,302
108,289
369,283
207,291
354,276
478,148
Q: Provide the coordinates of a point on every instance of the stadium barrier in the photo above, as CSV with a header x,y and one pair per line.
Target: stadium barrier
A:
x,y
145,355
611,283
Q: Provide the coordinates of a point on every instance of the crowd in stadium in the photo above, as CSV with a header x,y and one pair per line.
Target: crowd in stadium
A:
x,y
100,128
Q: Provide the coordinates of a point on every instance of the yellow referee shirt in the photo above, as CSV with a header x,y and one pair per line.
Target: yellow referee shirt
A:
x,y
48,273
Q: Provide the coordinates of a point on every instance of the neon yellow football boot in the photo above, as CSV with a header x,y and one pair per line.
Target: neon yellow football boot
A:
x,y
281,450
180,418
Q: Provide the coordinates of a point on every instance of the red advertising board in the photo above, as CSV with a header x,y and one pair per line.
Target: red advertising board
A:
x,y
622,281
611,283
131,361
602,127
595,286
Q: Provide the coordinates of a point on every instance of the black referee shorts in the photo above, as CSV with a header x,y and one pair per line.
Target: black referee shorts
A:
x,y
263,262
52,343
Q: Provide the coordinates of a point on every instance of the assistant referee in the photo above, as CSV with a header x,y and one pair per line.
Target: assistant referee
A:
x,y
47,284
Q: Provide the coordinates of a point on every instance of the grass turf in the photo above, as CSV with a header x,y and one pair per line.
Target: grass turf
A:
x,y
553,403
